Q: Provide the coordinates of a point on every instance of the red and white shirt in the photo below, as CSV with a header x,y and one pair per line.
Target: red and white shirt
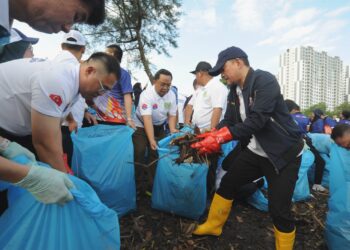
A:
x,y
48,87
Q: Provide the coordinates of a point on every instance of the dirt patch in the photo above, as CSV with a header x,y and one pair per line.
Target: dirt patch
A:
x,y
246,228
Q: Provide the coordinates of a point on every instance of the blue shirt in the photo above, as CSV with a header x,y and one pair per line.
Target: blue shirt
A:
x,y
111,104
343,121
302,120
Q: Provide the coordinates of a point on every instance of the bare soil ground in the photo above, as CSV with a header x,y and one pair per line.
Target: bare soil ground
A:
x,y
246,228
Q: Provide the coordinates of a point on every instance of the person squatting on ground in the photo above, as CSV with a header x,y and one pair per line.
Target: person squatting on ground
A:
x,y
274,150
157,107
303,123
207,108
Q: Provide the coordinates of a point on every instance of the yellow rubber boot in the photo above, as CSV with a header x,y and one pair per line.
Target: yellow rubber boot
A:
x,y
284,241
218,213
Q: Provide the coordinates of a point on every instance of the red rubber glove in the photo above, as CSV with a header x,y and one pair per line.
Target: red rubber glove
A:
x,y
212,140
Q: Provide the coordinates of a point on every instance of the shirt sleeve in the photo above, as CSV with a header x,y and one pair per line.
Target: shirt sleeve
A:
x,y
125,82
145,104
50,94
219,96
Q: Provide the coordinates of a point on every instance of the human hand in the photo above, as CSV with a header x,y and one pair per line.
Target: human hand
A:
x,y
90,118
130,122
72,126
153,145
14,149
47,185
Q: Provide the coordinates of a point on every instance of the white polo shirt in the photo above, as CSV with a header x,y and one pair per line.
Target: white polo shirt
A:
x,y
205,99
78,108
253,145
158,107
47,87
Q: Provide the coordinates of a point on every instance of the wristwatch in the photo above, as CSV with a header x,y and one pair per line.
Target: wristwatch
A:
x,y
4,144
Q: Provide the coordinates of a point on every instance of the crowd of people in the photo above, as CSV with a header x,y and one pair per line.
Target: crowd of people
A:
x,y
44,101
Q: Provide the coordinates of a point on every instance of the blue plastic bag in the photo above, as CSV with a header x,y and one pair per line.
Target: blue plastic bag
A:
x,y
337,232
302,188
178,188
84,223
321,142
104,156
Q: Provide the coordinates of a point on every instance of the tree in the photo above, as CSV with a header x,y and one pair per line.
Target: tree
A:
x,y
344,106
320,105
141,27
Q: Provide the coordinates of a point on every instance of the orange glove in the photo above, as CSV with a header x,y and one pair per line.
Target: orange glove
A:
x,y
212,140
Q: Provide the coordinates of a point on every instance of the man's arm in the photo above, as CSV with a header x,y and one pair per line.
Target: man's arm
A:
x,y
188,114
128,109
72,124
11,171
215,117
147,122
172,123
47,139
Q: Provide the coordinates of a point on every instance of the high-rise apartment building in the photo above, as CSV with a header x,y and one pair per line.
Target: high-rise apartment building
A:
x,y
347,83
309,77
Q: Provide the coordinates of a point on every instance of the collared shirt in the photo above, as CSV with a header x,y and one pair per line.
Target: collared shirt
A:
x,y
205,99
4,23
45,86
158,107
78,108
253,145
110,106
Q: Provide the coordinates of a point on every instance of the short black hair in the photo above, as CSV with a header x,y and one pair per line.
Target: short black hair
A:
x,y
162,72
346,114
117,51
339,130
97,11
73,47
194,83
245,61
291,105
110,63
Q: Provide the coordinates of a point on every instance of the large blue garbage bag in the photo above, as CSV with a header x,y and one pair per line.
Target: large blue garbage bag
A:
x,y
337,232
302,188
178,188
322,142
84,223
104,157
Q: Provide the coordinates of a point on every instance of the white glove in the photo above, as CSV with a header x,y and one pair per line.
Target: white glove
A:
x,y
318,188
14,149
47,185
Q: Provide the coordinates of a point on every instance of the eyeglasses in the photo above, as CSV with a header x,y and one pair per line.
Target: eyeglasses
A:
x,y
102,90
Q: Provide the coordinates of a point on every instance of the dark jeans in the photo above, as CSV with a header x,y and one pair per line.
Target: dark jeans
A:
x,y
67,144
319,162
141,144
248,167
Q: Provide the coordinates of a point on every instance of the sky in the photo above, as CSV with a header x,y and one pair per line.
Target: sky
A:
x,y
263,29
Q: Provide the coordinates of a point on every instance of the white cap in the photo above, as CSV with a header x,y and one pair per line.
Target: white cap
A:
x,y
74,37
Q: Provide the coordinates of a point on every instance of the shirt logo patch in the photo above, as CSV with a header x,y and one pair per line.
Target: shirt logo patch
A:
x,y
167,105
144,106
155,106
56,99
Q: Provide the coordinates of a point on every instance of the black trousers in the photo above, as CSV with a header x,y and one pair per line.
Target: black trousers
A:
x,y
248,167
141,144
319,162
25,141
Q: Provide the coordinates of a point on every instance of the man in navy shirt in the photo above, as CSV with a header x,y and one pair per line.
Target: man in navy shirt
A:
x,y
303,123
345,117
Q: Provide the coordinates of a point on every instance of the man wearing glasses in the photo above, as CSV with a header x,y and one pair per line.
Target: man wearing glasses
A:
x,y
35,101
157,107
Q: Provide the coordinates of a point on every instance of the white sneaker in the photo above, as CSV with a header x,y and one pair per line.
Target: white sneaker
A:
x,y
318,188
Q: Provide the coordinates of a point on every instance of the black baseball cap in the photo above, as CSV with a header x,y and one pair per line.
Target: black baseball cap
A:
x,y
224,56
202,66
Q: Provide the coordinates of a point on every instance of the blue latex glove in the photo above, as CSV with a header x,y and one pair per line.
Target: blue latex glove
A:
x,y
47,185
14,149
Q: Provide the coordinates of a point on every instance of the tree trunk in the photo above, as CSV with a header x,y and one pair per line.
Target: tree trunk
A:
x,y
143,58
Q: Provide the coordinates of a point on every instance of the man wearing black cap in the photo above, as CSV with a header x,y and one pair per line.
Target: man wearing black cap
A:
x,y
208,105
255,110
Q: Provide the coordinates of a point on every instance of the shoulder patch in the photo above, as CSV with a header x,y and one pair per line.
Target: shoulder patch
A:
x,y
56,99
144,106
